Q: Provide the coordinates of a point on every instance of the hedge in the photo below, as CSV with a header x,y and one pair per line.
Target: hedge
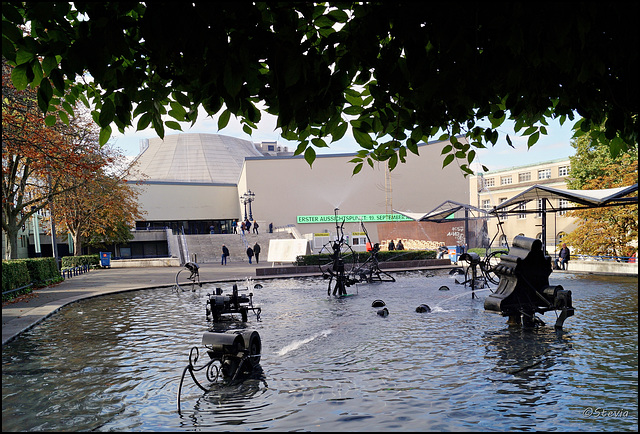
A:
x,y
79,261
18,273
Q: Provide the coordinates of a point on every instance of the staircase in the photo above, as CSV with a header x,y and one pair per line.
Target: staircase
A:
x,y
207,248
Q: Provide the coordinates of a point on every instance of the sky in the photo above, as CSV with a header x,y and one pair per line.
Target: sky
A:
x,y
555,145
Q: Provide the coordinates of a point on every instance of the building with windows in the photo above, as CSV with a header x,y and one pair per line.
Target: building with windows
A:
x,y
494,187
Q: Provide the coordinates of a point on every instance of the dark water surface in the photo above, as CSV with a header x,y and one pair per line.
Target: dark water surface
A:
x,y
113,363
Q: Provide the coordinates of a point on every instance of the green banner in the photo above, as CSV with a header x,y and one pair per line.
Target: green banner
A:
x,y
353,218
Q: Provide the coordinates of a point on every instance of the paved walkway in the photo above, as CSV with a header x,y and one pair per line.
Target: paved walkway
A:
x,y
22,315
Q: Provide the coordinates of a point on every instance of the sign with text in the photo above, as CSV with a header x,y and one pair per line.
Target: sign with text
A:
x,y
352,218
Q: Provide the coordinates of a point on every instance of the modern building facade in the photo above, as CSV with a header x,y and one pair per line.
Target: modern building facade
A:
x,y
492,188
195,183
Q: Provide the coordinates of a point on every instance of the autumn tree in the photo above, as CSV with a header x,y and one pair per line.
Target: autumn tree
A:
x,y
35,159
103,208
392,73
606,231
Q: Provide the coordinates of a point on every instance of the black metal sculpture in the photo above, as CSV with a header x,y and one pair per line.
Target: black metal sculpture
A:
x,y
524,288
336,269
370,270
234,354
194,277
219,305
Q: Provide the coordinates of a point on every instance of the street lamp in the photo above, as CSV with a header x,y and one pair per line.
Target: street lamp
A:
x,y
247,198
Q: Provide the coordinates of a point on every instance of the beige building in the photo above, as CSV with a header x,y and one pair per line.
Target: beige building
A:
x,y
494,187
196,182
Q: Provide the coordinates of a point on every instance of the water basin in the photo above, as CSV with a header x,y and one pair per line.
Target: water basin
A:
x,y
113,363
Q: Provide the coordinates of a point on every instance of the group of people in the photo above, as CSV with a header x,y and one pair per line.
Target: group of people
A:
x,y
394,246
251,252
245,226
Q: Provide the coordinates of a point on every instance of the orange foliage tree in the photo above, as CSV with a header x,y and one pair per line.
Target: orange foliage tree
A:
x,y
39,158
102,209
609,231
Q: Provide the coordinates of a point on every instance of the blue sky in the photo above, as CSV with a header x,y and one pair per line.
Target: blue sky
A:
x,y
550,147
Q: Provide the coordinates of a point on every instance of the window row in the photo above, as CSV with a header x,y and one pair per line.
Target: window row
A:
x,y
486,205
526,176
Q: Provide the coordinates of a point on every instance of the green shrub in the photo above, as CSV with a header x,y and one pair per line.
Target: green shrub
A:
x,y
15,274
18,273
78,261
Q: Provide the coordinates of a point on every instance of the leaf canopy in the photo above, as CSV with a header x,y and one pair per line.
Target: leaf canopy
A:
x,y
396,72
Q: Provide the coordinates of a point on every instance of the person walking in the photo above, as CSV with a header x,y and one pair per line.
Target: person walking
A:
x,y
247,225
256,252
225,253
255,227
400,246
234,224
250,253
563,258
243,227
391,246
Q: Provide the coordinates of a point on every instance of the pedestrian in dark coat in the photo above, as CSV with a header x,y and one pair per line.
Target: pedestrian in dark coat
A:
x,y
256,251
250,253
225,253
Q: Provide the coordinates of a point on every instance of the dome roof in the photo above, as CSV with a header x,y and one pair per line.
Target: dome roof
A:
x,y
200,158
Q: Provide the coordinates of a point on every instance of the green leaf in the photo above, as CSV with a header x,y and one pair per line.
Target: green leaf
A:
x,y
448,159
223,120
533,138
363,139
105,134
357,169
144,121
173,125
446,149
19,77
310,155
339,131
45,92
319,143
107,113
50,120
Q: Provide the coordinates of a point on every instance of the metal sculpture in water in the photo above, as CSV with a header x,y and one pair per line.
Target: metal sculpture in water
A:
x,y
219,305
194,277
370,270
339,263
234,354
524,288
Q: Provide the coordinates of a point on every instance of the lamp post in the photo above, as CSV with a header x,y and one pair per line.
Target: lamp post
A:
x,y
247,198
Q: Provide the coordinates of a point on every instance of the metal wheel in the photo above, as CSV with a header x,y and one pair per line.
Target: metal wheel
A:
x,y
328,257
489,265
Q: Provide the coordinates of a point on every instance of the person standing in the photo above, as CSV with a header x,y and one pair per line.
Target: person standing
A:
x,y
256,252
255,228
564,257
225,253
234,224
243,227
391,246
250,253
400,246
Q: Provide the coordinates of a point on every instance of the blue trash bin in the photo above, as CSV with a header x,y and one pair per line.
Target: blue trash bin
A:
x,y
105,259
454,252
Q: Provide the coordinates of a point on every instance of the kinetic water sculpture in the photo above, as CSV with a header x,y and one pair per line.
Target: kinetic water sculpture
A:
x,y
194,277
524,288
219,305
234,354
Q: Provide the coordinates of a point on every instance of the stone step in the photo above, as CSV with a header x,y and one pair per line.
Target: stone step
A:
x,y
207,248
